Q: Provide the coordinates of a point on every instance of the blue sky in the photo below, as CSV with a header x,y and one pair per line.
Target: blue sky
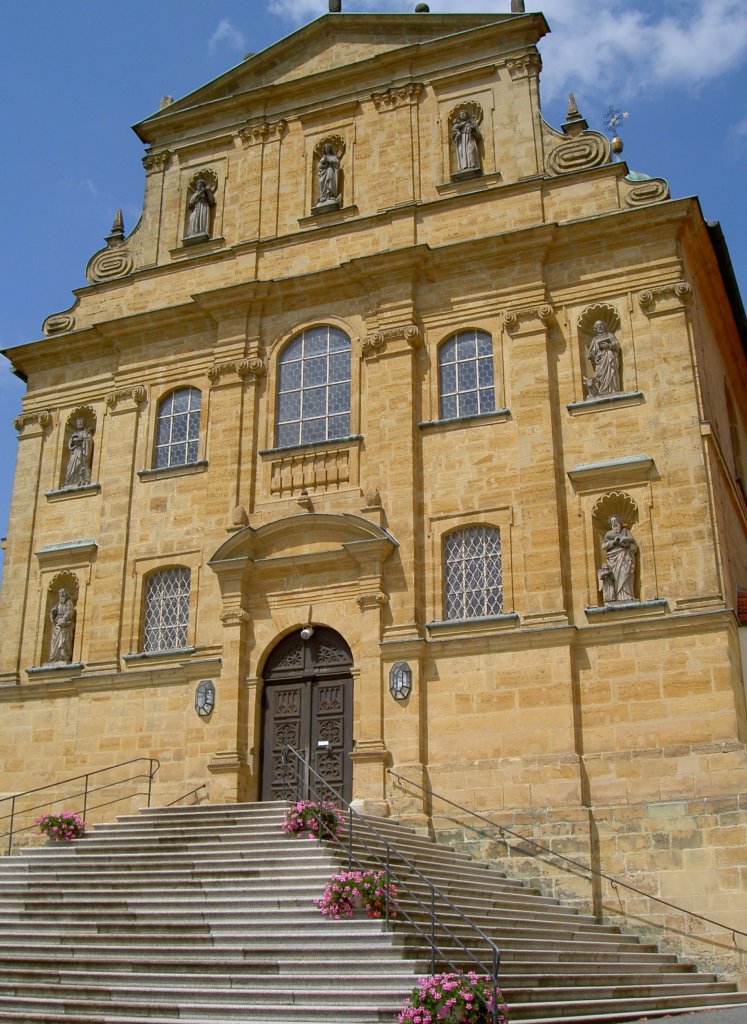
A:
x,y
75,75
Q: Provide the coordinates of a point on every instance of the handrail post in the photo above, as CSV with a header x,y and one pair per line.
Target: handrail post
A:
x,y
12,816
386,883
495,984
433,929
150,782
85,795
350,840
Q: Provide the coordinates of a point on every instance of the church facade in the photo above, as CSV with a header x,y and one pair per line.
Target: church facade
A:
x,y
409,430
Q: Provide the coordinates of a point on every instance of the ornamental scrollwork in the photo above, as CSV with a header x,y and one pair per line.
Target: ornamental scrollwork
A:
x,y
680,291
156,163
28,419
369,602
392,99
654,191
136,394
58,323
234,617
263,131
513,319
523,67
109,265
377,342
581,153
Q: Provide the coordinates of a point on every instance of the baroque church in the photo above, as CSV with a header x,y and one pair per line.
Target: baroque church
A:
x,y
409,430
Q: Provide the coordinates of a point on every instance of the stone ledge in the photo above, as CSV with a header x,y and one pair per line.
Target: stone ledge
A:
x,y
167,471
331,216
659,606
497,416
137,657
69,667
621,401
469,627
336,442
61,493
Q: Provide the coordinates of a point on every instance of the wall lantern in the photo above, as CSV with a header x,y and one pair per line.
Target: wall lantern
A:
x,y
204,698
400,680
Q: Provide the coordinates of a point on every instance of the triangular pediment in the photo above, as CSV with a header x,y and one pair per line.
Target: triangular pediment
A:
x,y
331,42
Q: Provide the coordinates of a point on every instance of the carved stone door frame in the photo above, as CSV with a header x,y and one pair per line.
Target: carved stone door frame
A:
x,y
308,704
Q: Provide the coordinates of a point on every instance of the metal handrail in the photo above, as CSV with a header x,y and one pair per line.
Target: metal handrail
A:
x,y
614,882
87,792
303,775
184,796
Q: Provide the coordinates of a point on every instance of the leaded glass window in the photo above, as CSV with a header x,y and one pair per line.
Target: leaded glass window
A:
x,y
178,428
314,388
473,574
466,384
166,616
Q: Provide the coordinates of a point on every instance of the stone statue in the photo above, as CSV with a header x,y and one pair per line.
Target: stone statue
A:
x,y
328,170
604,356
617,575
78,471
200,202
62,617
465,133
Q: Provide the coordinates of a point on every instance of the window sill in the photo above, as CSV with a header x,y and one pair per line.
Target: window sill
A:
x,y
622,400
449,628
314,445
611,612
137,657
186,470
65,667
61,493
498,416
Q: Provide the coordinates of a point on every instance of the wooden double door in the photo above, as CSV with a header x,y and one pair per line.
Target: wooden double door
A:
x,y
308,705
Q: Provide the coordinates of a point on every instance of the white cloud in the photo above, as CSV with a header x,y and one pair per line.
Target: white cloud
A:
x,y
226,34
617,49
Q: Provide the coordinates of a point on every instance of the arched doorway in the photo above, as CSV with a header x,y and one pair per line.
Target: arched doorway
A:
x,y
308,704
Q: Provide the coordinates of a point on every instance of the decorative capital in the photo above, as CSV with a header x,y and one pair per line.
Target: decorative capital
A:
x,y
525,66
394,98
156,163
40,419
370,602
376,343
515,319
262,131
135,394
234,617
665,298
247,369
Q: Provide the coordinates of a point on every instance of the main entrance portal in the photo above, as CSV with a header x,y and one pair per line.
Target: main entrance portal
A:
x,y
308,704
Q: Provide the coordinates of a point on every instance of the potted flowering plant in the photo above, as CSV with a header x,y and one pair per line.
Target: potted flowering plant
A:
x,y
62,827
351,890
320,819
453,999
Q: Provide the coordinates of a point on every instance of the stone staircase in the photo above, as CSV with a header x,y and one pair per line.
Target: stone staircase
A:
x,y
205,914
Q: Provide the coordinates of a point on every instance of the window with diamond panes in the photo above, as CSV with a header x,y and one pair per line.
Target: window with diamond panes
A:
x,y
473,573
178,429
166,616
466,385
314,388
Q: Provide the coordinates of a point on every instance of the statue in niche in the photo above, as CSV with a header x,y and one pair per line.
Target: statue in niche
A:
x,y
62,616
200,204
604,356
617,575
78,471
465,134
328,170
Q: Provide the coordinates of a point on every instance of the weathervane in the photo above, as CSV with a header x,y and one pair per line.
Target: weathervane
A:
x,y
612,121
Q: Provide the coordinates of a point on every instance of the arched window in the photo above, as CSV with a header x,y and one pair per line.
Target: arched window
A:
x,y
466,384
178,429
473,574
314,388
166,610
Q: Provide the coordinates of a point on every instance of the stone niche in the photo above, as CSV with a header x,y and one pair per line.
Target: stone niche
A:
x,y
68,581
620,505
76,465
